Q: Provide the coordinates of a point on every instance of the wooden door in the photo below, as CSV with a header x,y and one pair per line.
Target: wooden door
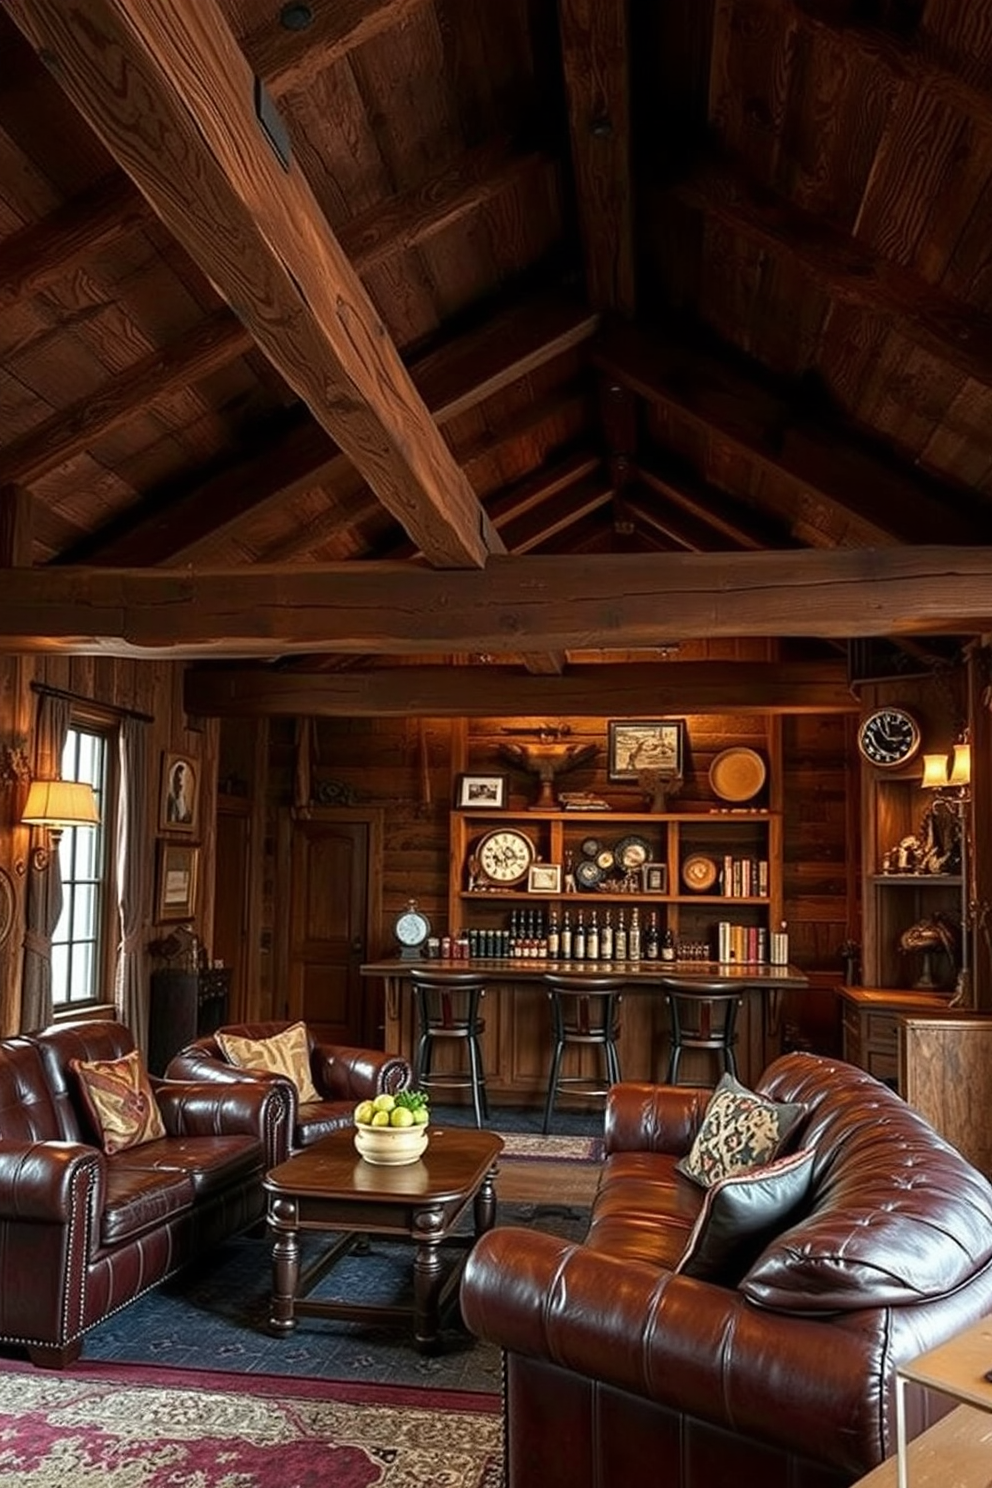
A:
x,y
331,915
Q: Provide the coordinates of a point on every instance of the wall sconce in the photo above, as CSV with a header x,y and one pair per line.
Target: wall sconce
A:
x,y
942,772
949,777
57,804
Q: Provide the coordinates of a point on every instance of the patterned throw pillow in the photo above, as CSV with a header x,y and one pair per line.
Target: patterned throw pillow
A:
x,y
739,1130
286,1053
742,1212
118,1096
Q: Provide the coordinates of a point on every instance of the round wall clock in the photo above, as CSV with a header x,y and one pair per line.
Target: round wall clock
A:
x,y
889,737
411,929
505,855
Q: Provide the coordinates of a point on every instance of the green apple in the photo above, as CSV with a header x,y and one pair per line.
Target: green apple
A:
x,y
364,1112
384,1102
421,1116
380,1118
400,1116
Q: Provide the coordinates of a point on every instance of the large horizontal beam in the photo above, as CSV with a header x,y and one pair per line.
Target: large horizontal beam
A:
x,y
537,603
489,691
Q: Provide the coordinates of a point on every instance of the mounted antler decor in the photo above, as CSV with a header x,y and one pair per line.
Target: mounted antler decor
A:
x,y
547,761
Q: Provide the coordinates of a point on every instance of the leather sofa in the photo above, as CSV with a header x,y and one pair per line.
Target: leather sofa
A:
x,y
82,1233
342,1076
781,1375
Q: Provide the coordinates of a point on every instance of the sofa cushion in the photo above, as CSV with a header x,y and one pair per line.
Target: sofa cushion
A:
x,y
209,1163
286,1053
119,1101
140,1199
741,1213
740,1129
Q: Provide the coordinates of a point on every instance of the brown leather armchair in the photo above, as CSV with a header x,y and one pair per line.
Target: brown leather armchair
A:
x,y
342,1075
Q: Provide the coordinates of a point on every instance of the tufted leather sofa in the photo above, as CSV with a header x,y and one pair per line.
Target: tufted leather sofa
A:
x,y
782,1375
82,1233
342,1075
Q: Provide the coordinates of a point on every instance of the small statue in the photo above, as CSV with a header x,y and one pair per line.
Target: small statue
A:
x,y
933,934
547,761
658,785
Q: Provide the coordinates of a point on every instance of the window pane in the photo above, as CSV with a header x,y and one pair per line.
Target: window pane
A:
x,y
84,918
77,944
81,979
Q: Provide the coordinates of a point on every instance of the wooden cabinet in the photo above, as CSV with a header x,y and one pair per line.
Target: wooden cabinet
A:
x,y
870,1025
184,1005
945,1068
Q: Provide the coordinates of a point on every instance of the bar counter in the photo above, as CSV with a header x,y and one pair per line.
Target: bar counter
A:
x,y
517,1042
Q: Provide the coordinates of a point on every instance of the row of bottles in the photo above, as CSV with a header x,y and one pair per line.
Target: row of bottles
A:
x,y
534,935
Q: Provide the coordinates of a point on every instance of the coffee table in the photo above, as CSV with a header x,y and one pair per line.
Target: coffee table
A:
x,y
329,1188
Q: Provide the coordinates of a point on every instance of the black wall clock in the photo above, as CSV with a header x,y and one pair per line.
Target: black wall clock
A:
x,y
888,737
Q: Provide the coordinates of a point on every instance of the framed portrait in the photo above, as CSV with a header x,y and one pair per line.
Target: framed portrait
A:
x,y
485,792
654,878
175,896
179,791
637,744
544,878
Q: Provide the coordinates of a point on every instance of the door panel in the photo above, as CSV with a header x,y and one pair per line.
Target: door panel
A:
x,y
328,926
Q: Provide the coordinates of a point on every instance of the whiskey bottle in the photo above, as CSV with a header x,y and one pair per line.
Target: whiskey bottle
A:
x,y
579,939
566,936
652,945
620,939
668,945
554,936
592,939
606,938
634,938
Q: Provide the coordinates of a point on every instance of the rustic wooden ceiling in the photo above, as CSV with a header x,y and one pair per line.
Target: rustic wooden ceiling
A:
x,y
500,326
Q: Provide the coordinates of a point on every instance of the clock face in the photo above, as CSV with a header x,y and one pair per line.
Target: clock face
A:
x,y
889,736
505,855
412,928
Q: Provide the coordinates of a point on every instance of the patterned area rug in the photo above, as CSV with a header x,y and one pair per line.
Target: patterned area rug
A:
x,y
537,1148
127,1428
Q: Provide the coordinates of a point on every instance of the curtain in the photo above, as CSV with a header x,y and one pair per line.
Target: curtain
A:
x,y
43,903
134,871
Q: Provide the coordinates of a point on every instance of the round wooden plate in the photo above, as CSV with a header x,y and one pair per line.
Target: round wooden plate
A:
x,y
737,774
699,872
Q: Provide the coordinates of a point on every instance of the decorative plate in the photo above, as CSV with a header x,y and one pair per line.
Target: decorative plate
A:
x,y
606,859
699,872
632,852
592,847
737,774
588,874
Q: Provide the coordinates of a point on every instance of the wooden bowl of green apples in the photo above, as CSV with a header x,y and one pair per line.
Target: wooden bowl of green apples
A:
x,y
392,1129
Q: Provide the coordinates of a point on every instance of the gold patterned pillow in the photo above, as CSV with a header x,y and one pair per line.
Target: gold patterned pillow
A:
x,y
286,1053
118,1096
739,1130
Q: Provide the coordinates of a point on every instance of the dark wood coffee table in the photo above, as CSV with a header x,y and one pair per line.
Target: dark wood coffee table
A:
x,y
328,1187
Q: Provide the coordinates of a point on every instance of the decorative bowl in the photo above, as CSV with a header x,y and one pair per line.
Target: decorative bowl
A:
x,y
389,1146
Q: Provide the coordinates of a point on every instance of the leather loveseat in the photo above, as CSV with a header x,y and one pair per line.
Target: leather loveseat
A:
x,y
82,1233
621,1369
342,1076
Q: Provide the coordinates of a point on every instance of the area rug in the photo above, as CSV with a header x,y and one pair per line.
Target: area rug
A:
x,y
147,1428
551,1149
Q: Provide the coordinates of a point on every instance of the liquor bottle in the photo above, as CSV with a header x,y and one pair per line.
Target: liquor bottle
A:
x,y
606,938
652,944
554,937
592,939
668,945
566,936
620,939
579,940
634,938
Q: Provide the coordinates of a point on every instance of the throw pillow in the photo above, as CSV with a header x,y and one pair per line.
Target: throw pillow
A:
x,y
742,1212
739,1130
286,1053
119,1100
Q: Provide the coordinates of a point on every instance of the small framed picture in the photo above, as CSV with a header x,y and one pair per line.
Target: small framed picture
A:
x,y
175,897
178,798
544,878
654,878
639,744
475,792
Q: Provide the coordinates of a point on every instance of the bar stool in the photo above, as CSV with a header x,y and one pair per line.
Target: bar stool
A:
x,y
585,1011
703,1015
447,1008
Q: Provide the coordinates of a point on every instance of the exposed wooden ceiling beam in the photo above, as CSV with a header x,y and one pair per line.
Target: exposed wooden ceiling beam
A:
x,y
829,470
515,604
583,691
290,59
183,127
729,519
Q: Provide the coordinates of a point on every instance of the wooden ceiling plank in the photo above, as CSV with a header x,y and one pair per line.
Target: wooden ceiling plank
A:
x,y
289,59
16,534
583,691
751,531
44,252
526,530
595,57
513,605
881,504
184,128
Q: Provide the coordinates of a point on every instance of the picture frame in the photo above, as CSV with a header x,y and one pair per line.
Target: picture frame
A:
x,y
179,793
481,792
639,744
544,878
175,893
654,878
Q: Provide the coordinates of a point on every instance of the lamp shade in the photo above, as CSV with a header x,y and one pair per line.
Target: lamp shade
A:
x,y
59,804
934,771
961,765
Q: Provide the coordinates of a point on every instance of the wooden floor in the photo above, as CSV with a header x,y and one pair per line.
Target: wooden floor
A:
x,y
522,1181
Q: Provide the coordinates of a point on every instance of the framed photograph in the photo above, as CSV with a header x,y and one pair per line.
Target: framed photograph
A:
x,y
487,792
654,878
638,744
178,797
175,897
544,878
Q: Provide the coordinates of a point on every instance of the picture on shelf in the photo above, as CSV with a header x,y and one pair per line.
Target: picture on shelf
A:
x,y
176,889
544,878
636,745
177,803
475,792
654,878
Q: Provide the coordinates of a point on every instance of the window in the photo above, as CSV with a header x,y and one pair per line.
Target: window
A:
x,y
79,943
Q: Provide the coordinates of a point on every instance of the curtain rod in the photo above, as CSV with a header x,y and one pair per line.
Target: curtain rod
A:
x,y
77,697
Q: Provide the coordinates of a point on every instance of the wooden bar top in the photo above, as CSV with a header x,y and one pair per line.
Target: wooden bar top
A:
x,y
644,974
